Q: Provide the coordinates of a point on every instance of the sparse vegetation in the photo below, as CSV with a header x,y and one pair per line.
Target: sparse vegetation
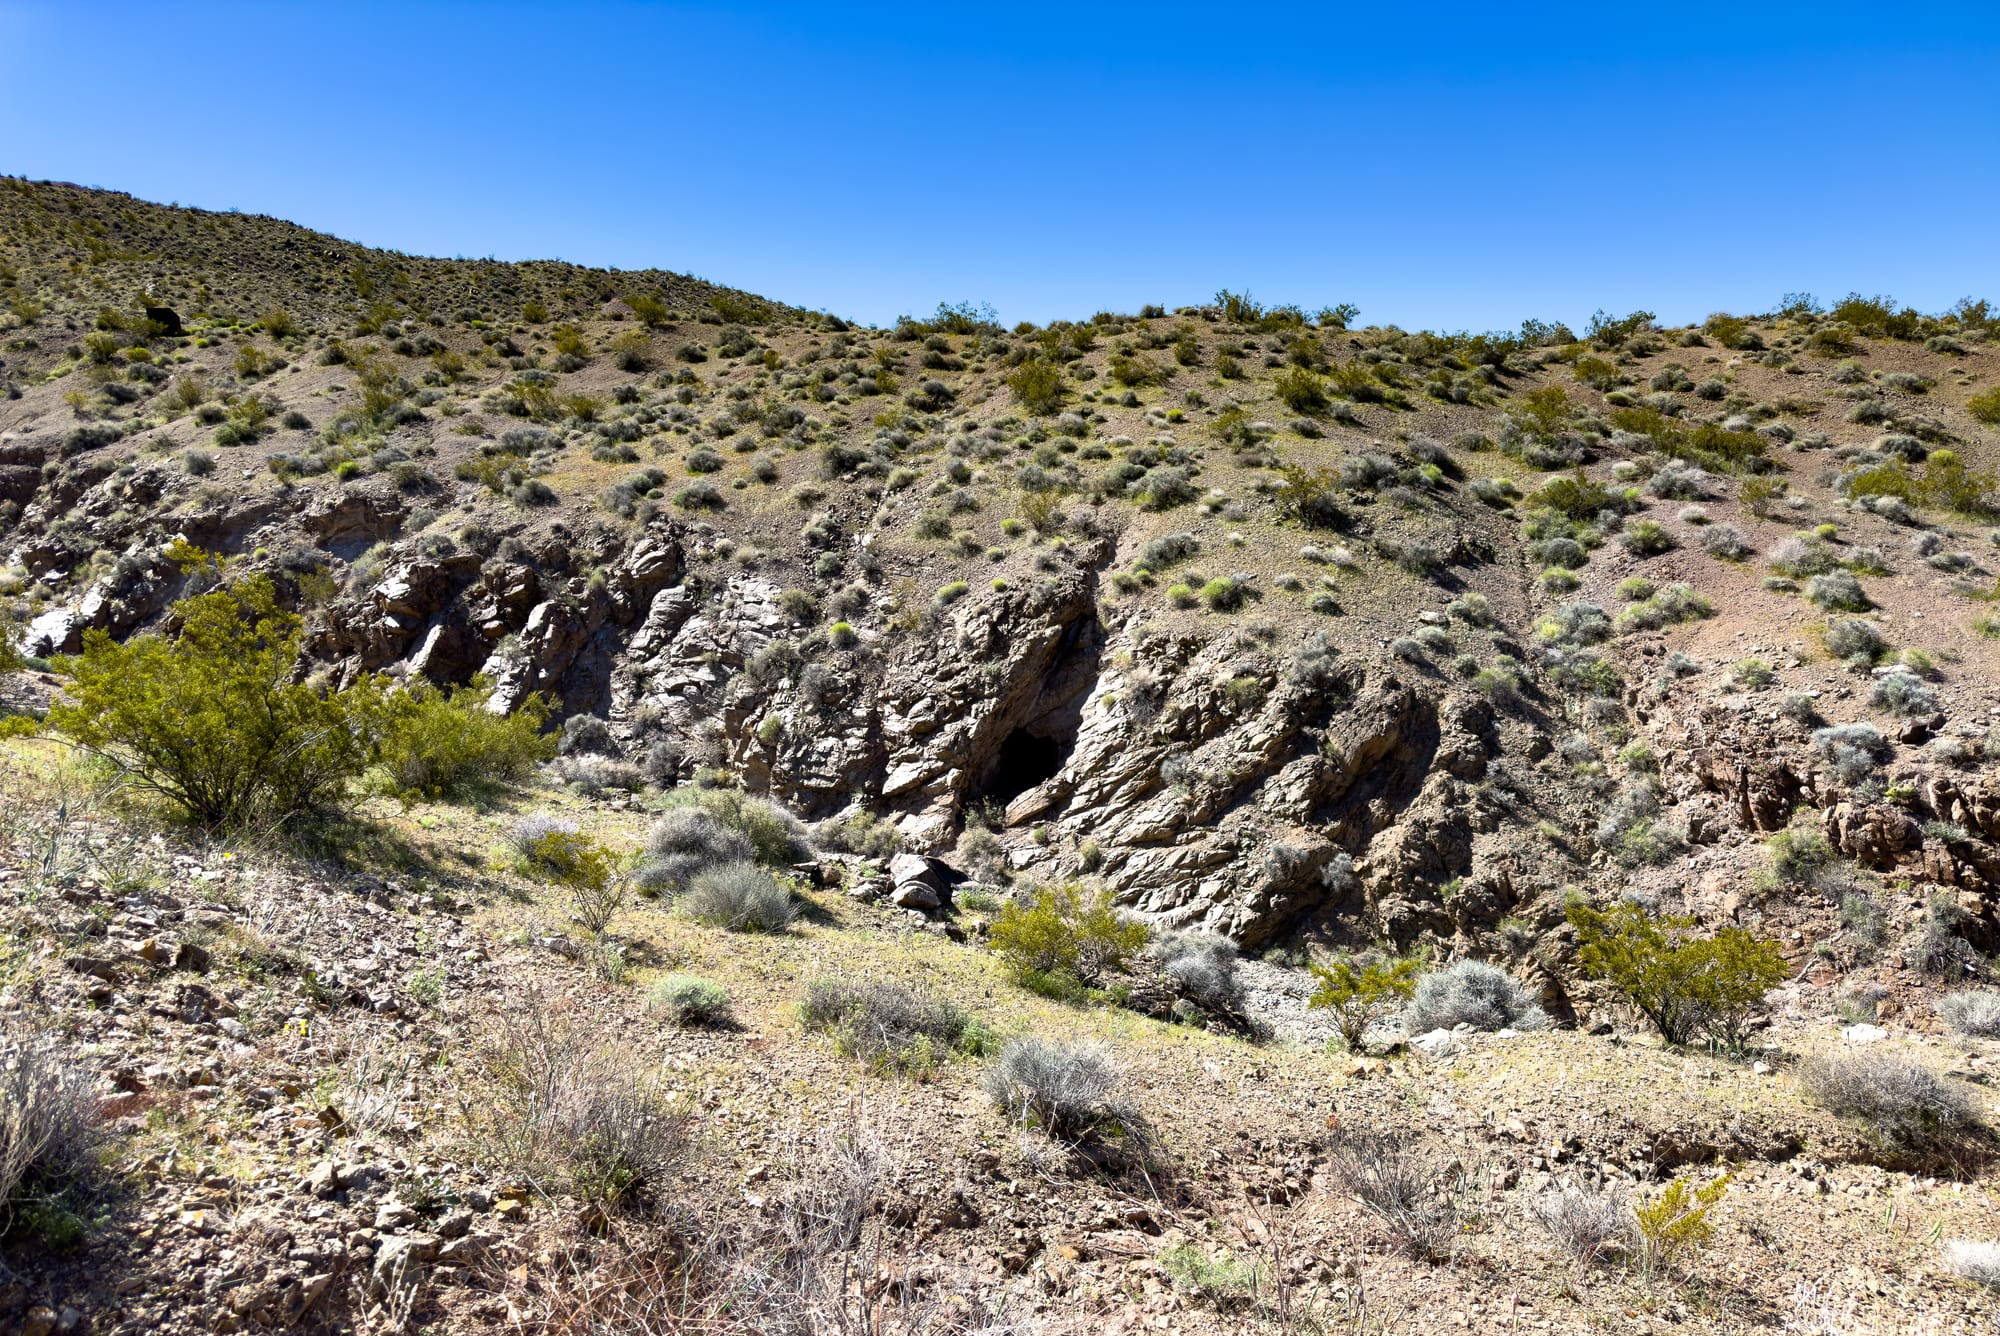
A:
x,y
1690,987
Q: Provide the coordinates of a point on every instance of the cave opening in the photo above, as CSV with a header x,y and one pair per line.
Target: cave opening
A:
x,y
1025,760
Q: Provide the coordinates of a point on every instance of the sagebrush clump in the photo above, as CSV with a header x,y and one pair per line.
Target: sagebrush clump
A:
x,y
1474,993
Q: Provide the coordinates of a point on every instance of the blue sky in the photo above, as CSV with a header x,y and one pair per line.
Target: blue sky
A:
x,y
1438,165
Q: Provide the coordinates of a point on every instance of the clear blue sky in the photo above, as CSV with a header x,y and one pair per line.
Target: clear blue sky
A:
x,y
1439,165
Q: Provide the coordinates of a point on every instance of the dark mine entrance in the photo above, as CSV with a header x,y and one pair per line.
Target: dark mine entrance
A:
x,y
1025,760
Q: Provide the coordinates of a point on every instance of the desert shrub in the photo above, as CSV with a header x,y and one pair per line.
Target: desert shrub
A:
x,y
1854,641
586,735
860,833
1971,1011
49,1134
441,742
1202,966
211,718
1708,444
1361,991
777,838
565,1112
1474,993
1940,951
1301,391
889,1026
1038,386
1896,1098
1853,750
1587,1225
1064,938
1799,855
1646,538
1725,543
592,775
1677,603
1417,1191
1579,498
1575,624
699,496
1688,986
1168,550
685,842
1675,1224
1309,497
1903,693
1069,1090
1972,1259
1163,488
741,897
1224,594
1837,591
1985,406
686,1000
1678,480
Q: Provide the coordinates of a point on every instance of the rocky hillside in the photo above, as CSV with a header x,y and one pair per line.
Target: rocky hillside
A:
x,y
1318,636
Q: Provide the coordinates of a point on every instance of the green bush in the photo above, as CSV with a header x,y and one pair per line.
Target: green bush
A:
x,y
687,1000
1647,538
211,718
1064,940
1308,496
1361,992
1579,498
1302,391
1688,986
1985,406
1038,386
1709,444
444,742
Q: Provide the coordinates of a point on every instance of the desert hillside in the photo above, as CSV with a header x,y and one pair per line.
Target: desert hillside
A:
x,y
1204,819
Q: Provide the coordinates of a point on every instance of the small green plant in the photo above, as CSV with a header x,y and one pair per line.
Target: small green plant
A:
x,y
1065,939
687,1000
1361,992
1675,1224
1221,1280
426,987
1688,986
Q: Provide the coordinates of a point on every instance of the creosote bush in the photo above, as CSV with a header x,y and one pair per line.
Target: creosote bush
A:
x,y
1065,939
1689,987
443,742
211,719
1363,991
